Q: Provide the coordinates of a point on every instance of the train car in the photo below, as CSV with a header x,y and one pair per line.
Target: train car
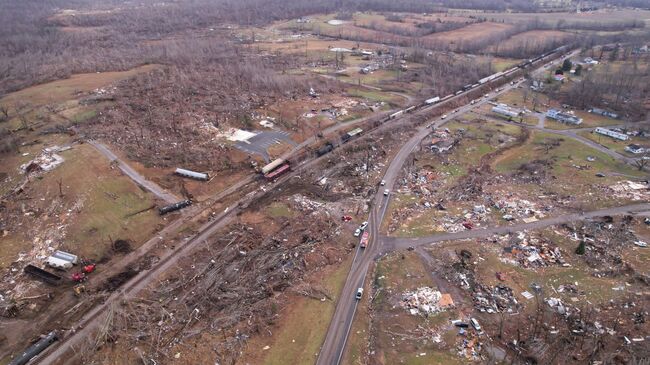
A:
x,y
272,166
192,174
327,148
43,275
432,100
35,349
447,97
174,207
410,109
396,114
351,134
459,92
285,167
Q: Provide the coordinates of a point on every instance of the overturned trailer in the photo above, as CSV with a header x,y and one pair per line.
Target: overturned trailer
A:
x,y
174,207
192,174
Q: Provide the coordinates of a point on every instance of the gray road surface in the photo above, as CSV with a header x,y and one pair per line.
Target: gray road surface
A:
x,y
134,175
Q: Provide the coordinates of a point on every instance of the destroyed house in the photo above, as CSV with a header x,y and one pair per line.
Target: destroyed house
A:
x,y
442,145
634,148
563,117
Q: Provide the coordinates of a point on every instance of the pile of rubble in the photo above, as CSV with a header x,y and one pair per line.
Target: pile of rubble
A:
x,y
529,252
46,161
630,190
425,301
495,300
442,141
469,346
518,208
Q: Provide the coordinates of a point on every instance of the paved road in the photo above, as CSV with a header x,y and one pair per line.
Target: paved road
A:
x,y
394,243
134,175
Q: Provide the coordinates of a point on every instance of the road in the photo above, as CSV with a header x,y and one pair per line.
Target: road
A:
x,y
393,243
134,175
341,323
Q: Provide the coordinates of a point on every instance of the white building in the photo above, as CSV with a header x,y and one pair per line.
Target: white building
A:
x,y
612,134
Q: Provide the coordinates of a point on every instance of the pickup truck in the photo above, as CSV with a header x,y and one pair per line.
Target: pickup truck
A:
x,y
364,240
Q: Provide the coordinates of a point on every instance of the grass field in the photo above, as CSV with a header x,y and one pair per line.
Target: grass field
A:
x,y
67,89
97,204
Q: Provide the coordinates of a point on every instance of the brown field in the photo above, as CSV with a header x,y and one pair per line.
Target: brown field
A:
x,y
471,32
531,38
602,16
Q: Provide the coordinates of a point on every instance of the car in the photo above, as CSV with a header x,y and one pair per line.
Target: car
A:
x,y
386,192
359,293
640,244
487,95
357,233
456,111
600,174
382,183
443,116
363,226
346,218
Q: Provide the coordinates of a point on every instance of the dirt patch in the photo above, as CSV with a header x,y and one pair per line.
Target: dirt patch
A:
x,y
122,246
118,280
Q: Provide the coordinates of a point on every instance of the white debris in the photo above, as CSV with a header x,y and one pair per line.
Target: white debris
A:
x,y
423,301
46,161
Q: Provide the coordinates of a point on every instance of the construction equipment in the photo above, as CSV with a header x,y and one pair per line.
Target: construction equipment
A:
x,y
79,289
78,277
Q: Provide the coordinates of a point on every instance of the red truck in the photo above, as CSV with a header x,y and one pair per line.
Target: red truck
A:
x,y
364,239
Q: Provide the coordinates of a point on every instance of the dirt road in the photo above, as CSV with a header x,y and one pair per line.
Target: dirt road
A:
x,y
134,175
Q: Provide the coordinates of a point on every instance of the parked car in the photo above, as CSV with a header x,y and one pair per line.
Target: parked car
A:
x,y
386,192
357,233
641,244
363,226
444,116
359,293
382,183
